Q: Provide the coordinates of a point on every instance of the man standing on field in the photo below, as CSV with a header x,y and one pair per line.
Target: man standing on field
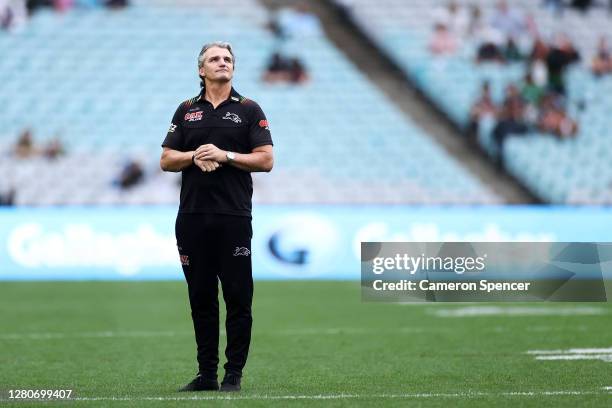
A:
x,y
216,140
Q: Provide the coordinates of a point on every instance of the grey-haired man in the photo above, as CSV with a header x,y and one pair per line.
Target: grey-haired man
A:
x,y
216,140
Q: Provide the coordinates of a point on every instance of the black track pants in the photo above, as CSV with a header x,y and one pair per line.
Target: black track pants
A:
x,y
216,248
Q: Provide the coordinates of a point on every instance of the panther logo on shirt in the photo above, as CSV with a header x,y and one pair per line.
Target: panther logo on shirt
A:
x,y
242,251
233,117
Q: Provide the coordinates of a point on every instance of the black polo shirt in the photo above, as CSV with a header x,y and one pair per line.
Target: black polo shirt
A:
x,y
237,125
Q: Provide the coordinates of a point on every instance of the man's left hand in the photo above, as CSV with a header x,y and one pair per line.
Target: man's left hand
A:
x,y
211,152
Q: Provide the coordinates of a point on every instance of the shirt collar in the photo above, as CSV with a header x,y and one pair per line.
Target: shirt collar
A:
x,y
234,96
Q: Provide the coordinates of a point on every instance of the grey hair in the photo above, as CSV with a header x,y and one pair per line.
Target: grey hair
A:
x,y
219,44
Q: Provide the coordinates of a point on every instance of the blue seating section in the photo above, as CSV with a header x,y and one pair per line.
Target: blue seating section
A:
x,y
570,171
109,82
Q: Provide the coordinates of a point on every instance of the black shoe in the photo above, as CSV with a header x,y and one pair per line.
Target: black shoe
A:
x,y
201,384
230,383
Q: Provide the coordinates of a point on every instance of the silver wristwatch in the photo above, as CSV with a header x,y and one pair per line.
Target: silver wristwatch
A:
x,y
230,156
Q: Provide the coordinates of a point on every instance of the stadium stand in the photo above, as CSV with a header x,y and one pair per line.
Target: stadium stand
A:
x,y
569,171
107,83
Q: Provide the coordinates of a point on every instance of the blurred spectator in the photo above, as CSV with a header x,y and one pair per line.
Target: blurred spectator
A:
x,y
582,5
24,147
539,72
34,5
288,70
602,61
13,14
507,20
297,72
482,108
131,174
116,4
274,26
454,17
65,5
491,44
553,118
561,55
511,52
53,149
475,22
539,49
62,5
511,119
532,95
277,68
442,41
537,62
7,197
531,92
6,15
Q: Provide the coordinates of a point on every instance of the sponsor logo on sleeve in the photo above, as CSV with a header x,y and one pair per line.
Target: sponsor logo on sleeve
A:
x,y
264,124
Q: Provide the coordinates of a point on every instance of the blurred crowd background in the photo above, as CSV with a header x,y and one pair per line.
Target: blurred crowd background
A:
x,y
89,86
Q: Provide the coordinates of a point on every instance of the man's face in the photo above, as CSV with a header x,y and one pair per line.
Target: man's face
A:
x,y
218,65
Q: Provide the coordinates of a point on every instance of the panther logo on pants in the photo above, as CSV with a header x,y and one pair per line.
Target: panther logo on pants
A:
x,y
242,251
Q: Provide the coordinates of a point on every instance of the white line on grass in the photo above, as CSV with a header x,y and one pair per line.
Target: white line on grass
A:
x,y
603,357
317,331
285,332
603,354
347,396
557,328
101,334
573,350
473,311
356,330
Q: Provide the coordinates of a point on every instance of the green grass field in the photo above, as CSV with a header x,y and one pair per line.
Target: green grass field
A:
x,y
314,344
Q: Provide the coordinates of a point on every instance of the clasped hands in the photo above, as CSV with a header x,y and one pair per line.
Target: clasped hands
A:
x,y
209,157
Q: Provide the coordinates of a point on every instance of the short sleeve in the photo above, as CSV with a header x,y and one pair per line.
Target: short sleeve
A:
x,y
175,138
259,129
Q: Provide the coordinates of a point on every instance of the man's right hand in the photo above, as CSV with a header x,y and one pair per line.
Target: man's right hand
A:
x,y
206,166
